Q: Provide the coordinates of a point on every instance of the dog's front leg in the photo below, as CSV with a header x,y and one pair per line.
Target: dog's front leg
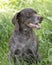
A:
x,y
35,52
10,58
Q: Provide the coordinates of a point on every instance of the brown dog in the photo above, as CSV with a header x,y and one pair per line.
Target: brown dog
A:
x,y
23,43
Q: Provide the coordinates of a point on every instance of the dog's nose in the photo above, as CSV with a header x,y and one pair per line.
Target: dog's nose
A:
x,y
40,18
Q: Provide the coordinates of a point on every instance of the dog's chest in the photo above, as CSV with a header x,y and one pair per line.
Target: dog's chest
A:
x,y
23,40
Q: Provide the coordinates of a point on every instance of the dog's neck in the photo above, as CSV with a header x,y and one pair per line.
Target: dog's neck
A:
x,y
25,29
24,32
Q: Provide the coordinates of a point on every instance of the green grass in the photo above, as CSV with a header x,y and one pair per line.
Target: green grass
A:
x,y
44,8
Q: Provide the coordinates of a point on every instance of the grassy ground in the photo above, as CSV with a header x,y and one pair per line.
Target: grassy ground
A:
x,y
44,8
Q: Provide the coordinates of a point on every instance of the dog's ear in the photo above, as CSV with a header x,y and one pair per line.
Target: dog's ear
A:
x,y
15,21
16,18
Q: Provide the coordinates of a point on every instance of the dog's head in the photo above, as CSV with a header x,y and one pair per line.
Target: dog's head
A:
x,y
28,17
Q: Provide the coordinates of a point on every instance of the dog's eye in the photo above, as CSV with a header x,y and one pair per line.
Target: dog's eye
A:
x,y
28,15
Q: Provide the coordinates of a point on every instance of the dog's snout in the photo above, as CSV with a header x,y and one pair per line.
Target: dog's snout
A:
x,y
40,18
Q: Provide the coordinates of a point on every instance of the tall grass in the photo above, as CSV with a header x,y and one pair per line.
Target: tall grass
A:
x,y
44,8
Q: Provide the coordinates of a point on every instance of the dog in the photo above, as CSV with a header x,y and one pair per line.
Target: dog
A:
x,y
23,42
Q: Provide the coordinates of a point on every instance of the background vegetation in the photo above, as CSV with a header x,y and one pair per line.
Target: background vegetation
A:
x,y
8,8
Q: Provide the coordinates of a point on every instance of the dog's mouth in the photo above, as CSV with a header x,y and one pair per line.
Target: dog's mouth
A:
x,y
34,25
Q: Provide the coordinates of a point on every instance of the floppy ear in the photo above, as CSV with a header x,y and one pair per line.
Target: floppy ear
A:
x,y
15,18
15,21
